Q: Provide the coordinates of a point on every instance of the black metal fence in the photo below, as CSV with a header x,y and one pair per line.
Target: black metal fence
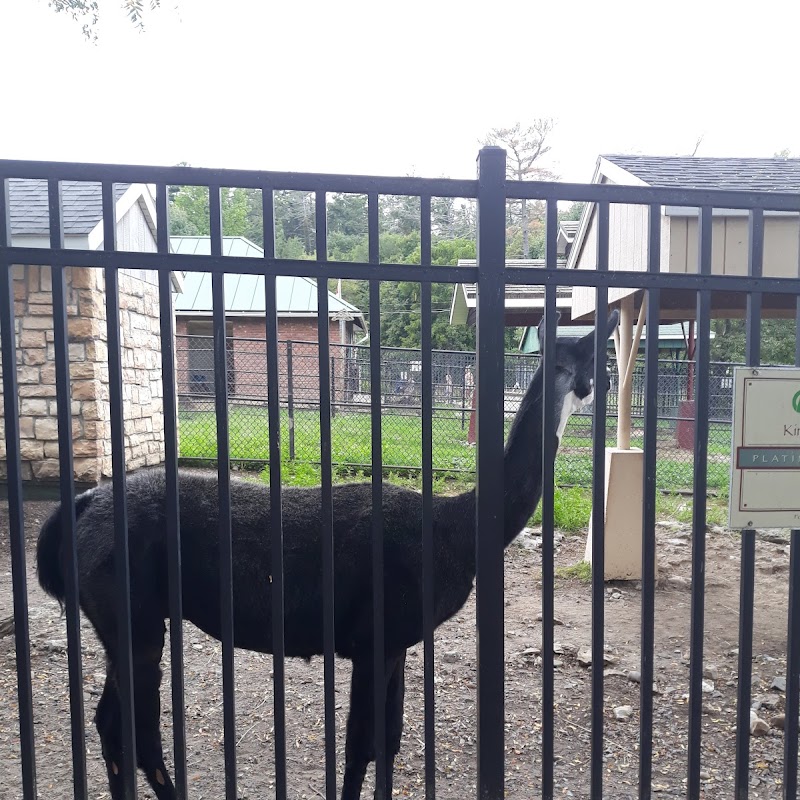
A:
x,y
377,697
452,374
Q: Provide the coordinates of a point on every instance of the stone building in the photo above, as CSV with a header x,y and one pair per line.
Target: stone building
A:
x,y
86,308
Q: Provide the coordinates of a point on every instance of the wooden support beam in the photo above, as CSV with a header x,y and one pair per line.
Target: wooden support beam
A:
x,y
637,338
624,349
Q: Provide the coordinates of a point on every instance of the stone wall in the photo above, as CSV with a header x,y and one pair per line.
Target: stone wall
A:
x,y
88,353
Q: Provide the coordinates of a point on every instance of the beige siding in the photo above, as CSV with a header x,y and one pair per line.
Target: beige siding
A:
x,y
134,235
628,238
730,245
679,243
628,234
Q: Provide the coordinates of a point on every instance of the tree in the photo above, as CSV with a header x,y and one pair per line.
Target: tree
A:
x,y
242,213
347,215
697,144
454,219
295,218
778,341
525,146
572,213
453,233
88,12
399,214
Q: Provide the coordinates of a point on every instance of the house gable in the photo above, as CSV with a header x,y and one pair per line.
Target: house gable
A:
x,y
629,226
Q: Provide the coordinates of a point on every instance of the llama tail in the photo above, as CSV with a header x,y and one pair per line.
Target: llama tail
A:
x,y
49,564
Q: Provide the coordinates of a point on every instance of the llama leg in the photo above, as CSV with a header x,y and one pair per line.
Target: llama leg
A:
x,y
150,755
108,722
395,696
359,749
148,646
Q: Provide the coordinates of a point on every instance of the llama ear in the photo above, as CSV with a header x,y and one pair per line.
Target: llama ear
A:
x,y
586,344
613,321
540,331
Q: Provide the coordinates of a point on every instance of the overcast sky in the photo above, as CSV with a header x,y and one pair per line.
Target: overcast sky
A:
x,y
398,88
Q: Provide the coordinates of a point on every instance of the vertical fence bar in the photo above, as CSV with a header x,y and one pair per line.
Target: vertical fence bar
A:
x,y
490,478
172,505
67,497
333,386
224,489
748,560
791,727
792,673
548,351
123,661
325,455
649,510
275,500
428,621
290,398
598,504
378,664
463,396
16,522
703,354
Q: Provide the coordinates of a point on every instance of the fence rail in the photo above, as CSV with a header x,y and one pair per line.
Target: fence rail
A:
x,y
364,586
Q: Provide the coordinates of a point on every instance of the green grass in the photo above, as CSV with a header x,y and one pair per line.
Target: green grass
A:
x,y
453,461
350,438
582,571
680,508
572,508
401,436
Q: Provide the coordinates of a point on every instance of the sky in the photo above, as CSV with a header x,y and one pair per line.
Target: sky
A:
x,y
397,88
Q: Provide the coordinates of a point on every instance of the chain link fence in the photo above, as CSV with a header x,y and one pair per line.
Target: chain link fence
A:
x,y
453,390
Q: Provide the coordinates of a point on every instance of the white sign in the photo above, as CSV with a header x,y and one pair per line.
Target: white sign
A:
x,y
765,456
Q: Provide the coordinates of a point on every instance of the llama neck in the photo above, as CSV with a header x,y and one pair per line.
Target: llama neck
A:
x,y
523,479
523,461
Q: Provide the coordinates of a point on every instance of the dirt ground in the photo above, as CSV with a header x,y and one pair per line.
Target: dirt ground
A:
x,y
455,687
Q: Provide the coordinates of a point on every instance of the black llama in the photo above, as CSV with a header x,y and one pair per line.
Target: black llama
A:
x,y
454,571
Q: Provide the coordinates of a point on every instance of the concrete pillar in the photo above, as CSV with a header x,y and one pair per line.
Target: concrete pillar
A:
x,y
624,466
624,500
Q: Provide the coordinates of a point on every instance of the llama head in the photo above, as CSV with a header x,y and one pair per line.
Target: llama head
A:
x,y
575,372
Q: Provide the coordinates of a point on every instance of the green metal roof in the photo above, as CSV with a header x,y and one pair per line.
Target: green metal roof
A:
x,y
244,294
669,336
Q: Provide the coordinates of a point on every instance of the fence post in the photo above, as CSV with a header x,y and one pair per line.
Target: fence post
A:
x,y
489,484
333,386
290,398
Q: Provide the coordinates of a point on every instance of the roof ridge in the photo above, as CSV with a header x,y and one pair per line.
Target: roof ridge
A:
x,y
775,159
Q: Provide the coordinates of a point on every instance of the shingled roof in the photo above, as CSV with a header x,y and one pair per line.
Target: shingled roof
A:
x,y
81,206
736,174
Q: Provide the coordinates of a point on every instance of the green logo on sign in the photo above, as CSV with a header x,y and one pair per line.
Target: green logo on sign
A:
x,y
796,402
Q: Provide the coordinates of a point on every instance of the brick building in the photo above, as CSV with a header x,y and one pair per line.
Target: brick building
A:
x,y
82,215
245,311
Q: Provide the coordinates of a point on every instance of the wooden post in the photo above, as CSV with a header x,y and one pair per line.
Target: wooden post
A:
x,y
627,347
623,356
